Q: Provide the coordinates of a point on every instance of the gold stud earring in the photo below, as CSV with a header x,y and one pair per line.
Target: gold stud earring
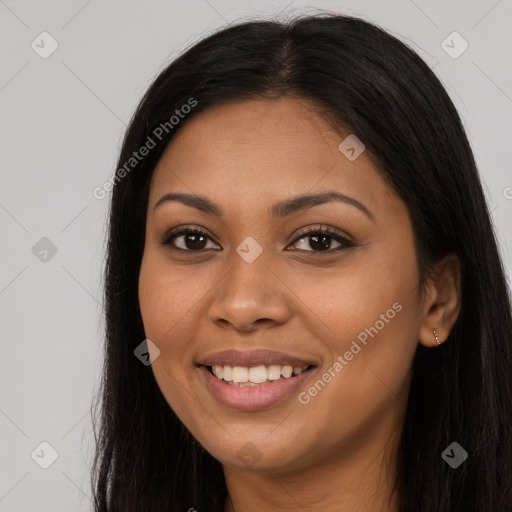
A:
x,y
435,336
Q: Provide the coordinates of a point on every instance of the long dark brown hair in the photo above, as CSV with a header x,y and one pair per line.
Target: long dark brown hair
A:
x,y
146,460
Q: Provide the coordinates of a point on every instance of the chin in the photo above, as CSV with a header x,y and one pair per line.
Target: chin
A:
x,y
247,453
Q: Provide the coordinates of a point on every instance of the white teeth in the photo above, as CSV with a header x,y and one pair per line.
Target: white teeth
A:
x,y
286,371
258,374
218,371
274,372
240,374
228,373
245,376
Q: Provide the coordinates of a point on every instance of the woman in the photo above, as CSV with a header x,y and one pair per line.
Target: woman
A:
x,y
300,246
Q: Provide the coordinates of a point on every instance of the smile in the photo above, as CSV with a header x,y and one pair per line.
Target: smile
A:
x,y
235,386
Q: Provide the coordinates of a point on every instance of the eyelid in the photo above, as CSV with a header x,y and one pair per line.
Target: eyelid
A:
x,y
323,229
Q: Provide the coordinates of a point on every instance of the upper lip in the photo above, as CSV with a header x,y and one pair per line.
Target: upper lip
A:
x,y
250,358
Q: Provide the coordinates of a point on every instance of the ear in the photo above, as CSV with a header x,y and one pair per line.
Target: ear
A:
x,y
442,302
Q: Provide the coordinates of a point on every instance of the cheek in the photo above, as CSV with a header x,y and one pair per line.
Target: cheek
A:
x,y
166,300
369,315
339,303
366,376
167,303
154,298
166,293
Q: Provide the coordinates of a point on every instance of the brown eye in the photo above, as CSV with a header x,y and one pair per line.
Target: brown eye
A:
x,y
320,240
193,240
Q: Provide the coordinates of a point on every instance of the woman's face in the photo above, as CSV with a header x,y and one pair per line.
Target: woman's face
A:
x,y
259,290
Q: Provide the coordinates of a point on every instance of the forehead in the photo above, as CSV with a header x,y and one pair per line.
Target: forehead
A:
x,y
264,150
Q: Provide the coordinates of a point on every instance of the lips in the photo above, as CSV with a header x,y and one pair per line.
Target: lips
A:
x,y
254,397
251,358
250,380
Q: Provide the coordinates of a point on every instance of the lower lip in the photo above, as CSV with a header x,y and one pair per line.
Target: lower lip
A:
x,y
252,398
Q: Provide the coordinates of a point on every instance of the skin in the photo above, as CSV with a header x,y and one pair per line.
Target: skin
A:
x,y
337,452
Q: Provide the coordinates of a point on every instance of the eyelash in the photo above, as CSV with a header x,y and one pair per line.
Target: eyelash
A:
x,y
345,244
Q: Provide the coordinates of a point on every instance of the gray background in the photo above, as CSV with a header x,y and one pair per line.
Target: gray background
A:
x,y
61,123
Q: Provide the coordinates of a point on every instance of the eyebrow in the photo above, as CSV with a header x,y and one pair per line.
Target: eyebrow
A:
x,y
279,210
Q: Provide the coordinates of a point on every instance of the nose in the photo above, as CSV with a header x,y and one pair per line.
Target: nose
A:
x,y
249,296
